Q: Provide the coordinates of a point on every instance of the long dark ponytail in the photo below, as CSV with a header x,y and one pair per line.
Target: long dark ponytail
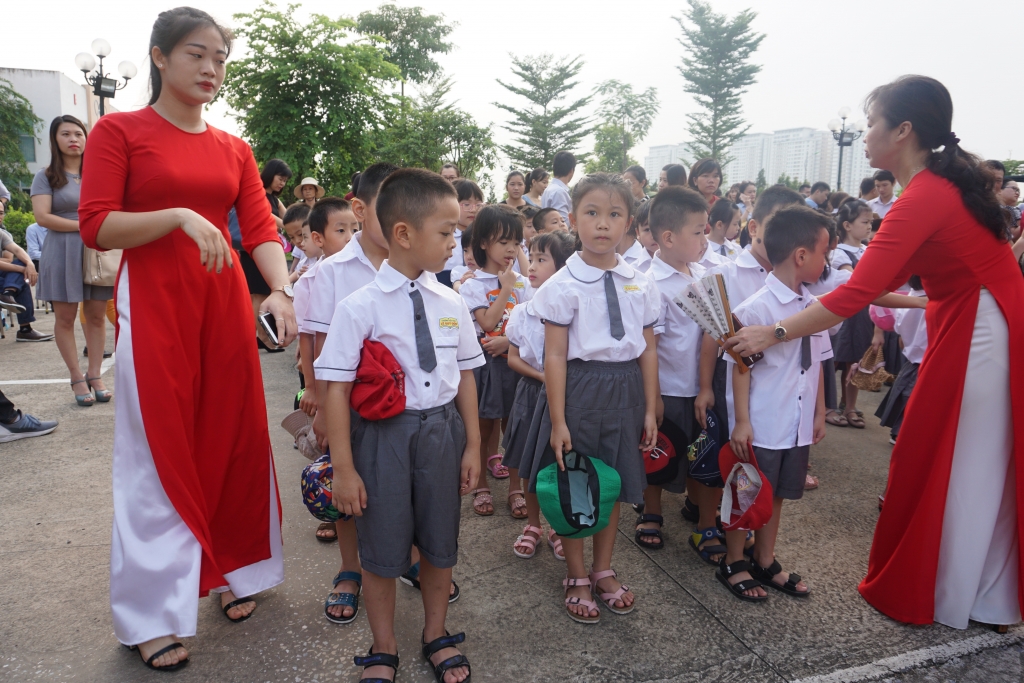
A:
x,y
927,105
169,29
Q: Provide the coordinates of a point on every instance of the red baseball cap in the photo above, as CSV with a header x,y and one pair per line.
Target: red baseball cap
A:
x,y
747,499
379,389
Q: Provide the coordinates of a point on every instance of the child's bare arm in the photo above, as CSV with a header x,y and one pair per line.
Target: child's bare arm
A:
x,y
742,433
706,371
349,494
521,366
652,391
489,317
556,351
320,387
466,404
819,410
308,402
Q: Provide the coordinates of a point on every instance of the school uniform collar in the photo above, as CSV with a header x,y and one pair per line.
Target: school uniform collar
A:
x,y
637,251
589,274
480,274
388,280
354,250
783,293
747,260
850,248
660,270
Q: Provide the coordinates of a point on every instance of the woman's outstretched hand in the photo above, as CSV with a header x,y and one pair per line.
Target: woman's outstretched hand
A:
x,y
214,250
752,339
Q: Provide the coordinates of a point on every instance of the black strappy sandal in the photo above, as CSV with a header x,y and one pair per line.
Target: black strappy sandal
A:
x,y
766,575
236,603
149,662
379,659
725,571
649,533
459,660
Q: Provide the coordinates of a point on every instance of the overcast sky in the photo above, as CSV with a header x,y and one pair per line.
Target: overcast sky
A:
x,y
817,56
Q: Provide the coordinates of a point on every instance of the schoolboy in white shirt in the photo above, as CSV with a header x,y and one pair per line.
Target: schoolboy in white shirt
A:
x,y
402,476
677,218
780,403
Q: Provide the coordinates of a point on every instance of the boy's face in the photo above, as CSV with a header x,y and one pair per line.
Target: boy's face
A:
x,y
646,238
294,232
341,226
757,232
553,221
686,244
429,246
601,220
308,247
811,264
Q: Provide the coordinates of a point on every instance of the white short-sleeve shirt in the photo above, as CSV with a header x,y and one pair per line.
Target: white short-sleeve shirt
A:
x,y
338,276
712,259
382,311
782,394
456,259
743,277
481,291
911,326
574,297
638,257
841,256
727,249
525,331
302,290
679,338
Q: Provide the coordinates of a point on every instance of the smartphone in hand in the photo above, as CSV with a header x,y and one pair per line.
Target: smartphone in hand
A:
x,y
267,330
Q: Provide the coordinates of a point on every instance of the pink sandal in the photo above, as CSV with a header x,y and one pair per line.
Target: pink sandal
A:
x,y
556,545
609,598
482,497
528,541
568,583
498,471
517,504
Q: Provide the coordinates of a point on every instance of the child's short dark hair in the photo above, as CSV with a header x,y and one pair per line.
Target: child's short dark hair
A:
x,y
672,206
884,175
604,181
296,212
792,228
493,223
467,189
467,238
538,218
774,197
322,211
563,163
528,211
371,179
643,215
409,195
559,244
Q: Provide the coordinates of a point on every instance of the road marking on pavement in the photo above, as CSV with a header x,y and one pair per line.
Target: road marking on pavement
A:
x,y
937,654
107,364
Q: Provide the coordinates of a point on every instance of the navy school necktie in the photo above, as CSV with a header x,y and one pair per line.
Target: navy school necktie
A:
x,y
614,313
424,342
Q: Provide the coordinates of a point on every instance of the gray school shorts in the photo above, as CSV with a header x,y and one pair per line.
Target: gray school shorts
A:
x,y
785,470
410,466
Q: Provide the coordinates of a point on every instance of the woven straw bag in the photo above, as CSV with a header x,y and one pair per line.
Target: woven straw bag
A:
x,y
869,374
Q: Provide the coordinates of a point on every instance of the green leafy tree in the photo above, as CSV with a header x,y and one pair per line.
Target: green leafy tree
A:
x,y
544,126
1014,166
430,132
410,37
717,71
16,119
761,182
16,222
791,183
627,118
309,92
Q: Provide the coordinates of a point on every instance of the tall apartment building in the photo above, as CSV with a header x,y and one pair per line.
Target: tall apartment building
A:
x,y
660,156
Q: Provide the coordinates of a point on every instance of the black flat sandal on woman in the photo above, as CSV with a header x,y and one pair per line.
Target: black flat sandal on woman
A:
x,y
458,661
149,662
237,603
379,659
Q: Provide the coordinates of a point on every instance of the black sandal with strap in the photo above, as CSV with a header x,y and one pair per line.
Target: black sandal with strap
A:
x,y
236,603
379,659
705,536
458,661
726,571
767,575
649,533
149,662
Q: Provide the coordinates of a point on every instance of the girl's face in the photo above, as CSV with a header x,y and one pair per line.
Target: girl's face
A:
x,y
467,257
542,266
537,187
515,187
501,253
662,181
601,219
634,184
278,183
732,195
707,183
70,140
734,226
194,70
646,238
553,221
308,192
749,195
467,211
859,229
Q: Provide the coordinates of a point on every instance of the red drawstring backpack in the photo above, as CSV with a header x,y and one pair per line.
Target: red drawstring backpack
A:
x,y
379,389
747,499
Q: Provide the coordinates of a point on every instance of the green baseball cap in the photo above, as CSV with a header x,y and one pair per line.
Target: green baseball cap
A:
x,y
578,501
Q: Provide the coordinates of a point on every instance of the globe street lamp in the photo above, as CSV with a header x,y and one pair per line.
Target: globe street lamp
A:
x,y
102,85
844,137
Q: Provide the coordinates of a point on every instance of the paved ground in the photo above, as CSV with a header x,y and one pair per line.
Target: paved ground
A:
x,y
55,512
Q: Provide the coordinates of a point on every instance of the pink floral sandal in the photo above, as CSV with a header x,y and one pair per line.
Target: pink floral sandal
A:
x,y
609,598
568,583
527,542
498,471
482,497
556,545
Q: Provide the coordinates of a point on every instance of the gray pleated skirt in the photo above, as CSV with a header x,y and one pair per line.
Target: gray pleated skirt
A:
x,y
854,337
495,387
891,409
60,271
604,410
517,435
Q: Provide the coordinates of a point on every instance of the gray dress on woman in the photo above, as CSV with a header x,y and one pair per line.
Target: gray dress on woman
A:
x,y
60,266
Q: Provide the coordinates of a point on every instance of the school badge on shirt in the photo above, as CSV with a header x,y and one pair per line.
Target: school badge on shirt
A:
x,y
448,323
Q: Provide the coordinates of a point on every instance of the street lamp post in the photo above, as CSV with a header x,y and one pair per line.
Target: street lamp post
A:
x,y
844,136
102,85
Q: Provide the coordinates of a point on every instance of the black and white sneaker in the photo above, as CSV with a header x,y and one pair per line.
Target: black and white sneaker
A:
x,y
26,426
7,301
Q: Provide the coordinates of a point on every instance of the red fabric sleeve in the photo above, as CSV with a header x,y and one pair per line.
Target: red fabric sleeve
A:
x,y
104,175
908,224
254,218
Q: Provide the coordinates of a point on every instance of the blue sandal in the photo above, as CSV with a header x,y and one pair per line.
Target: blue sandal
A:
x,y
102,395
84,400
345,600
655,540
459,660
379,659
704,536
